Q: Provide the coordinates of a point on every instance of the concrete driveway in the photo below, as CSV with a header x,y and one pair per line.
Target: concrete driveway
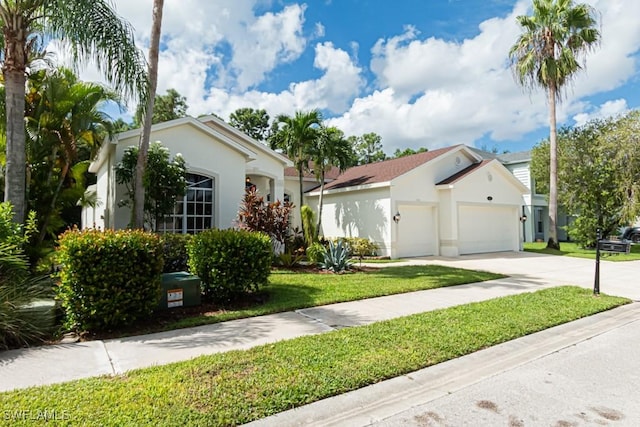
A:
x,y
616,278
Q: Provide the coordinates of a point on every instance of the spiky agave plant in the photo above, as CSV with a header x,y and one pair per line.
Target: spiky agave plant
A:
x,y
336,257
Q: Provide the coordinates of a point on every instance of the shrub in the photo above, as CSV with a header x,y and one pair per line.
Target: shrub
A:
x,y
315,253
174,250
295,241
20,325
13,234
270,218
308,225
336,258
230,263
108,278
360,247
288,259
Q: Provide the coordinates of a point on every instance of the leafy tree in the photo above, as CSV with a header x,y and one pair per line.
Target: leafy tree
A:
x,y
408,152
92,30
598,183
331,149
119,125
164,179
166,107
254,123
65,128
547,54
296,137
368,148
149,111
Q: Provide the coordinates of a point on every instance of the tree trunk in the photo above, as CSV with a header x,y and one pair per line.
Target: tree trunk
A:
x,y
553,171
154,47
301,195
320,202
15,184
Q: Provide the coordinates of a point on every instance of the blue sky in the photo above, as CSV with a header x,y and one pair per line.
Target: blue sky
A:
x,y
419,73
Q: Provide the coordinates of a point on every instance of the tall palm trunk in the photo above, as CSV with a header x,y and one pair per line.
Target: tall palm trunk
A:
x,y
13,70
553,170
300,175
321,202
138,202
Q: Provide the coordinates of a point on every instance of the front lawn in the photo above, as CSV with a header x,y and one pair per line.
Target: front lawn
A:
x,y
240,386
572,249
291,290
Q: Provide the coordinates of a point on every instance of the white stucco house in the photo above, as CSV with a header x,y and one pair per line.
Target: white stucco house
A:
x,y
219,159
448,202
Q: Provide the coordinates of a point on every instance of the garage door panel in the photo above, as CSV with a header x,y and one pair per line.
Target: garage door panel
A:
x,y
416,231
486,229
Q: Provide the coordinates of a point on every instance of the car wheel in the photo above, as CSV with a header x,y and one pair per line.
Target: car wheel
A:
x,y
635,238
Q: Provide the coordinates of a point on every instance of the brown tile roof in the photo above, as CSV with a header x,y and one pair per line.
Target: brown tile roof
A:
x,y
464,172
384,171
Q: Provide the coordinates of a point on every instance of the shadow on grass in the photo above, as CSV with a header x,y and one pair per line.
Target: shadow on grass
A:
x,y
445,274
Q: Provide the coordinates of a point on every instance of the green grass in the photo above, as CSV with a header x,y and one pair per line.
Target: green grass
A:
x,y
240,386
572,249
289,290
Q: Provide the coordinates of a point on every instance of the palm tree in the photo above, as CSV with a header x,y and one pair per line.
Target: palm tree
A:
x,y
548,54
298,134
332,149
65,126
138,200
90,29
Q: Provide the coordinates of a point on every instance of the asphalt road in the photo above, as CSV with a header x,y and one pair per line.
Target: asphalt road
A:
x,y
593,383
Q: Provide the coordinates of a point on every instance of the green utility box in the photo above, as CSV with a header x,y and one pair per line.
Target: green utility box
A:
x,y
180,289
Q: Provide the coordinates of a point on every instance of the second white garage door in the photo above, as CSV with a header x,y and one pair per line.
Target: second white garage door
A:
x,y
487,229
416,231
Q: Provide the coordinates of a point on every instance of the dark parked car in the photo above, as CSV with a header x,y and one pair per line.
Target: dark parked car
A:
x,y
632,233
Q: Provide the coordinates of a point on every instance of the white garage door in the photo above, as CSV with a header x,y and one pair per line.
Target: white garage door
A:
x,y
487,229
416,231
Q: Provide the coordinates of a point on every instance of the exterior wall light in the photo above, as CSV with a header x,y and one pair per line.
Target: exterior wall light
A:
x,y
489,198
396,217
523,218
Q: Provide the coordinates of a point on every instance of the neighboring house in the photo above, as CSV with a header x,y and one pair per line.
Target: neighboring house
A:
x,y
536,206
448,202
219,159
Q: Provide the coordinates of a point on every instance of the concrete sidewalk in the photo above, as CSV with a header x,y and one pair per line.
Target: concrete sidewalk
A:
x,y
530,272
65,362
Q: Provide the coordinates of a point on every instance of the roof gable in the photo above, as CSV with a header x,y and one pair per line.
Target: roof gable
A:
x,y
464,172
471,170
226,129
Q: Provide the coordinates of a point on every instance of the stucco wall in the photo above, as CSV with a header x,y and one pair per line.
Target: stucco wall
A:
x,y
203,156
487,189
364,213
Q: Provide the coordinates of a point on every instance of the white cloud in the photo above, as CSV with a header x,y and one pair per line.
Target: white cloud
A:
x,y
608,109
426,91
273,39
434,92
340,82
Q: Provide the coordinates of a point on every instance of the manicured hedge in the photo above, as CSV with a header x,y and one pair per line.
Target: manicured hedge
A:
x,y
108,278
230,263
174,248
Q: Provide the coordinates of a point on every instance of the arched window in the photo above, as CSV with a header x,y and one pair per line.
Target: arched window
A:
x,y
195,212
